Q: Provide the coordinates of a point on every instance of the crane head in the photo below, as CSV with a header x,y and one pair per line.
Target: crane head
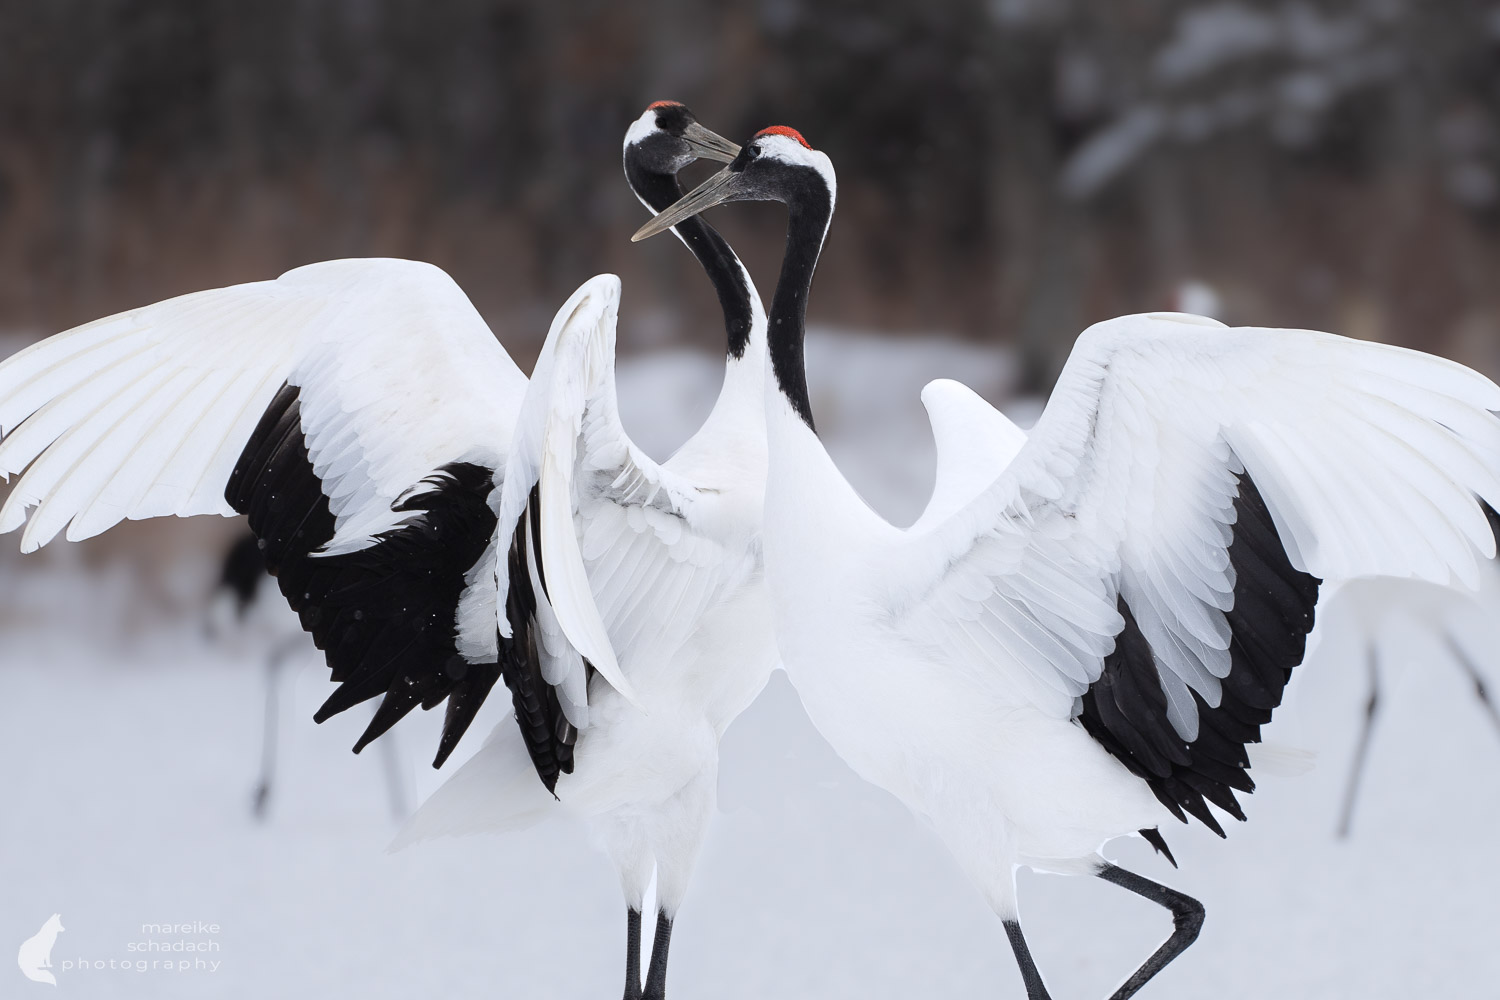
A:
x,y
667,137
777,164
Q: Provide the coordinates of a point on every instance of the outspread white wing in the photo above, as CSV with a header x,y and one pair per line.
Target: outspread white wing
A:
x,y
144,413
633,552
359,411
1162,433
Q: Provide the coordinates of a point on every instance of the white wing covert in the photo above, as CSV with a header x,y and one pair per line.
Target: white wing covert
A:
x,y
1148,563
359,412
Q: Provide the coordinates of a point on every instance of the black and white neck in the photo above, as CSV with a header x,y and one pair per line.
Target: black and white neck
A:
x,y
806,495
780,164
654,153
777,164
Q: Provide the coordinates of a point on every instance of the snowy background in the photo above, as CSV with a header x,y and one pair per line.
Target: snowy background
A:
x,y
1009,171
127,756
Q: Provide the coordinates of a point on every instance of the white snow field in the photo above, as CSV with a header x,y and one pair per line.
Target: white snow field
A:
x,y
126,770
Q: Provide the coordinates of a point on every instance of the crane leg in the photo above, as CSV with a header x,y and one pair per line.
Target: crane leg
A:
x,y
1035,988
1480,691
1362,747
261,799
656,974
632,954
1187,921
395,783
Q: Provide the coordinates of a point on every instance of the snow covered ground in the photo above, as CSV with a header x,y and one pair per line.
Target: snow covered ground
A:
x,y
127,767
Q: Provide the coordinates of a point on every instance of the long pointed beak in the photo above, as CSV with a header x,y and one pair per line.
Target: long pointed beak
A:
x,y
711,192
709,145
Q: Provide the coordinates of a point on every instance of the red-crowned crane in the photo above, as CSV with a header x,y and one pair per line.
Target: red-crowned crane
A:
x,y
402,475
655,565
1084,649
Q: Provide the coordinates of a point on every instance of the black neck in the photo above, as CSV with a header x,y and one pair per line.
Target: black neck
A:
x,y
808,213
712,250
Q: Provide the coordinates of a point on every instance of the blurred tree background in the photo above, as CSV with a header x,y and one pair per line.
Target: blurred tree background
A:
x,y
1008,169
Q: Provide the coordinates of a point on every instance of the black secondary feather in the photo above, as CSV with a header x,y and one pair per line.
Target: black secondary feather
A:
x,y
384,616
548,734
1126,708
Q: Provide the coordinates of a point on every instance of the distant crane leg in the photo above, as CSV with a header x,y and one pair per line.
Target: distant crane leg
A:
x,y
261,799
1187,921
1362,748
395,779
1480,691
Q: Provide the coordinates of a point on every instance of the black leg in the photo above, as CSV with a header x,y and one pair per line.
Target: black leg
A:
x,y
262,798
1480,691
1035,988
1187,921
633,954
656,976
1362,748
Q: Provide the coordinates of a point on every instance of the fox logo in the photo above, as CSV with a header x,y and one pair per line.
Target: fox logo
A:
x,y
35,957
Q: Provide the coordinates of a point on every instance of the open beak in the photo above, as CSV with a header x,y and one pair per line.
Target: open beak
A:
x,y
709,145
717,189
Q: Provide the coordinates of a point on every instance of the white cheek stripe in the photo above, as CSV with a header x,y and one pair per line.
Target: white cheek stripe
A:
x,y
788,150
640,128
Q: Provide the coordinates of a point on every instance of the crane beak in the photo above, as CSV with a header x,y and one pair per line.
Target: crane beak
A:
x,y
708,145
717,189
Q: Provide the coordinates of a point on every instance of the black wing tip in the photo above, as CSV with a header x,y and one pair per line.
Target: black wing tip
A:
x,y
1197,807
349,602
384,615
343,698
371,734
472,685
1153,836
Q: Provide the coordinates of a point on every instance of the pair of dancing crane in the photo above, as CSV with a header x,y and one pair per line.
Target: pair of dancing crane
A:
x,y
1076,641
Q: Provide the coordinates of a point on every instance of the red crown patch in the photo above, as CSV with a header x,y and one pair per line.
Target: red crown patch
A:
x,y
785,130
